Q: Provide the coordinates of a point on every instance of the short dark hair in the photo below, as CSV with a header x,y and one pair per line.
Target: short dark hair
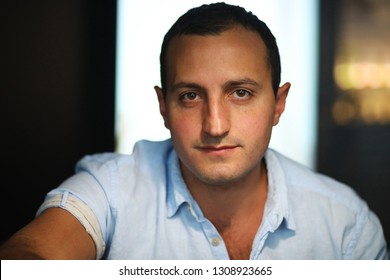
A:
x,y
213,19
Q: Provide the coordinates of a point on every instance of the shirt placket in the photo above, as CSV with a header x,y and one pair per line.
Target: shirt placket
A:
x,y
215,241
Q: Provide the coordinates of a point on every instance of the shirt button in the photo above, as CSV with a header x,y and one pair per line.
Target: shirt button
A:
x,y
215,241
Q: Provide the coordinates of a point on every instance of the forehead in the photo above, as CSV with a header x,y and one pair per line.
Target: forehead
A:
x,y
234,50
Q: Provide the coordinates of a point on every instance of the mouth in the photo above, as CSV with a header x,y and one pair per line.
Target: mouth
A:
x,y
217,150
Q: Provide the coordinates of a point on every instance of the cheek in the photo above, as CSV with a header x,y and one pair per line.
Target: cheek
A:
x,y
182,126
256,123
256,136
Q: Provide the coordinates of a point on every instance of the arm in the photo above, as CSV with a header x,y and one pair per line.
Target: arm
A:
x,y
55,234
369,241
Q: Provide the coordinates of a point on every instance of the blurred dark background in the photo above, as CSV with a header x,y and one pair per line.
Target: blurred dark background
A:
x,y
57,96
354,99
57,89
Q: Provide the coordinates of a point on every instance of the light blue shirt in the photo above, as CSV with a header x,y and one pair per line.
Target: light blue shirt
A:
x,y
145,211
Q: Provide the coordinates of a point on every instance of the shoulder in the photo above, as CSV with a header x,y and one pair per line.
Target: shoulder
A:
x,y
300,178
146,154
329,210
115,176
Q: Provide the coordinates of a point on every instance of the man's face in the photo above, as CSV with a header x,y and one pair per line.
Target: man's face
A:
x,y
220,107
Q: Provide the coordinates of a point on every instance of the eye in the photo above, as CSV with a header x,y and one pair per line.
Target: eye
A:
x,y
242,94
189,96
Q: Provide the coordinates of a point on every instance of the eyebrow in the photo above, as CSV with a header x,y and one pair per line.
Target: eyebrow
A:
x,y
240,82
182,85
226,85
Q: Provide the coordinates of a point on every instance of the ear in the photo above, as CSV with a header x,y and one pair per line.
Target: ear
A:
x,y
280,101
161,102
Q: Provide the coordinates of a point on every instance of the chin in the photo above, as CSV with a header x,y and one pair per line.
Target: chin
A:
x,y
221,180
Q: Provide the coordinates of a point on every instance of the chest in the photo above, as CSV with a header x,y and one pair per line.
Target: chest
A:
x,y
178,237
239,242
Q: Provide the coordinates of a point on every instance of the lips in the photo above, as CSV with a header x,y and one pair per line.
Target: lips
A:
x,y
217,149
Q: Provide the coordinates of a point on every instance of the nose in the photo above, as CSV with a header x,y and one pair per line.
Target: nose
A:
x,y
216,117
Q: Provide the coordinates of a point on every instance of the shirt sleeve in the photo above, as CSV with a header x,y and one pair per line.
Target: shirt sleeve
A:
x,y
88,196
368,242
82,212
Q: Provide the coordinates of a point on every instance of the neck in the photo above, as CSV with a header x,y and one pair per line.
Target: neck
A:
x,y
225,205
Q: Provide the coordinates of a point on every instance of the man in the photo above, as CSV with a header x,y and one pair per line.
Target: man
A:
x,y
214,190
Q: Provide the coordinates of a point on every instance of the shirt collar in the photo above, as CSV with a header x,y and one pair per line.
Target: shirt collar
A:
x,y
277,209
177,192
